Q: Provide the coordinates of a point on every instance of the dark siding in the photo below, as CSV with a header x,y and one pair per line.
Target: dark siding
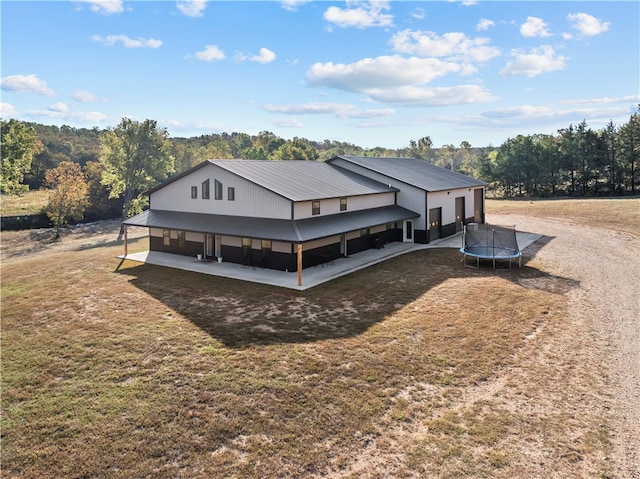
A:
x,y
420,236
191,248
448,230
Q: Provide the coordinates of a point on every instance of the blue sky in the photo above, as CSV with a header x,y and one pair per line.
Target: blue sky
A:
x,y
368,73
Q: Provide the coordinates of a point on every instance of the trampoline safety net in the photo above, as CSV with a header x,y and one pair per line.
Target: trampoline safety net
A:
x,y
482,241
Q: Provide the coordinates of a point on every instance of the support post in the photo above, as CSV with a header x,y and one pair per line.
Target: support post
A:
x,y
126,244
299,264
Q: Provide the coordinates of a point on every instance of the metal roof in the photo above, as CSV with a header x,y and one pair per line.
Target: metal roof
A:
x,y
299,180
272,229
414,172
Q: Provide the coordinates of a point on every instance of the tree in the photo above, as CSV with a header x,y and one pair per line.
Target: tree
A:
x,y
136,156
100,206
630,142
296,149
422,148
68,198
19,144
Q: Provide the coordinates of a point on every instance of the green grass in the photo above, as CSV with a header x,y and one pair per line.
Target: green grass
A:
x,y
152,372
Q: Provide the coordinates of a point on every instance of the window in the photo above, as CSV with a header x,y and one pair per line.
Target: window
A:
x,y
343,204
246,250
166,237
194,192
231,193
315,208
218,190
205,190
266,248
181,239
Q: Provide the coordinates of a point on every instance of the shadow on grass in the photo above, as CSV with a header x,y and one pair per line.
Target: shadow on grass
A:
x,y
239,313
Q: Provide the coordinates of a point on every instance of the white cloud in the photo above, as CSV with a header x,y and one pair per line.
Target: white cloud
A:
x,y
485,24
7,110
59,107
210,53
92,117
527,115
265,56
540,60
588,25
340,110
314,108
360,15
452,45
397,80
84,96
192,8
604,100
426,96
381,72
127,42
371,113
26,84
419,14
292,5
287,123
105,7
534,27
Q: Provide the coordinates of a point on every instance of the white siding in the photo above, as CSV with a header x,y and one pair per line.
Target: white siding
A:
x,y
409,197
281,247
195,237
331,206
320,242
250,199
447,201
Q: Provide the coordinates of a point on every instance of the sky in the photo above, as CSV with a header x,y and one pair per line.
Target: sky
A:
x,y
368,73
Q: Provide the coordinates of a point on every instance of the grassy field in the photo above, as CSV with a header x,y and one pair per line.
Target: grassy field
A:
x,y
31,203
151,372
621,214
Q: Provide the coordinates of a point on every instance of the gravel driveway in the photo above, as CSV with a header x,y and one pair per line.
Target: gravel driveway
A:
x,y
606,264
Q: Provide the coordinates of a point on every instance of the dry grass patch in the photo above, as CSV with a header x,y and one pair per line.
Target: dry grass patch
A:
x,y
404,369
619,214
30,203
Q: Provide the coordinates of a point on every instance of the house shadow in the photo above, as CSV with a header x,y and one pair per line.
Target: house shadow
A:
x,y
241,314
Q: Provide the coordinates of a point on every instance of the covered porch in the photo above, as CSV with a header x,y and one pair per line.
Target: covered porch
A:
x,y
310,277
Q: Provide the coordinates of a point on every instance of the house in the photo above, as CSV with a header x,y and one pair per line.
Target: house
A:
x,y
290,215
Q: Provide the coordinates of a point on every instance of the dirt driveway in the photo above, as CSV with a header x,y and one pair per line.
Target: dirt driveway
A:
x,y
606,307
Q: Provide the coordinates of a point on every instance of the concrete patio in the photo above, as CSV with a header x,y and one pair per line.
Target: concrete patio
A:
x,y
310,276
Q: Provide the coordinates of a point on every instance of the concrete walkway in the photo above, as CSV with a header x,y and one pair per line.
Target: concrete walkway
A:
x,y
310,276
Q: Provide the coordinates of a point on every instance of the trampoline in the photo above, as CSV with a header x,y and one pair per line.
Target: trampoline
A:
x,y
495,243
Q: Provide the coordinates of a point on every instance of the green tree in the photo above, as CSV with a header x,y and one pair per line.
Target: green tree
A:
x,y
136,156
19,144
629,135
421,148
100,206
68,198
296,149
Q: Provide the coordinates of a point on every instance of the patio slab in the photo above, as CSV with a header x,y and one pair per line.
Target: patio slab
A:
x,y
312,276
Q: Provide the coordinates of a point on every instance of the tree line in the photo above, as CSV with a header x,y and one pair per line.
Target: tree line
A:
x,y
107,171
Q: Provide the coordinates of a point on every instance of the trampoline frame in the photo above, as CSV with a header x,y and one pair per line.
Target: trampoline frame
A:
x,y
491,251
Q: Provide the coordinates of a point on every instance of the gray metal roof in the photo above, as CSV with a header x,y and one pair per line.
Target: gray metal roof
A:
x,y
414,172
303,180
272,229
